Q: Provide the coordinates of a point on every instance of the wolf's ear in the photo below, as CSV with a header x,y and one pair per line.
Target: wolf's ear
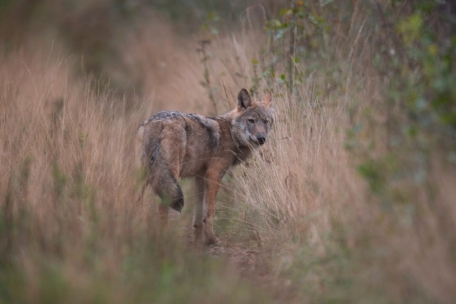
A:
x,y
244,100
267,100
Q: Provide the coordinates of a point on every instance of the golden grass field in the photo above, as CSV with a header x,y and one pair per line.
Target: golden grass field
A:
x,y
297,222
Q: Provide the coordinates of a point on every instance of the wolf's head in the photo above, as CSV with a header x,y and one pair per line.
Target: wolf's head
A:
x,y
251,121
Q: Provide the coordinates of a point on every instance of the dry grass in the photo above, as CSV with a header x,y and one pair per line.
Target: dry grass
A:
x,y
71,228
72,231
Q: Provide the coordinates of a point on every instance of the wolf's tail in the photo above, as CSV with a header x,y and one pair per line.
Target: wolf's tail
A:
x,y
159,175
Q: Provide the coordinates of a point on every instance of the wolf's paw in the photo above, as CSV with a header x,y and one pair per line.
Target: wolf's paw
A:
x,y
210,239
211,242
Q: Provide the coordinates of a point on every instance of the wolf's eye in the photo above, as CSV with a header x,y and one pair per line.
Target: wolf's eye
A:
x,y
265,122
251,121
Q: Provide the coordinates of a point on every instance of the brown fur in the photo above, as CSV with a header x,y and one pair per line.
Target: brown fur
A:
x,y
175,145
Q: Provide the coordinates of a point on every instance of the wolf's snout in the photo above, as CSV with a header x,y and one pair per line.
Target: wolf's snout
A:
x,y
261,139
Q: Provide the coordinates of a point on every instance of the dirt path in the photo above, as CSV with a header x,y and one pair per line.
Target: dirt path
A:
x,y
252,265
246,260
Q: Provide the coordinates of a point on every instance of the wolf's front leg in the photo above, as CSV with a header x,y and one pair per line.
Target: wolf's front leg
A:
x,y
213,178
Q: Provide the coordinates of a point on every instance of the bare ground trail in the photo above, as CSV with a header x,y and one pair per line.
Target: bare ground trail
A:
x,y
252,265
247,258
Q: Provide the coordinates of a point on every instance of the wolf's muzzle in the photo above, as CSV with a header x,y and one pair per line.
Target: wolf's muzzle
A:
x,y
261,139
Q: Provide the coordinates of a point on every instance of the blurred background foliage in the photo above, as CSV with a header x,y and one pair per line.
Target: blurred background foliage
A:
x,y
92,29
389,65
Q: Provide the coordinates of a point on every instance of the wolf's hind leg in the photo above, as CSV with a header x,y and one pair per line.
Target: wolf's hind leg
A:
x,y
141,194
163,212
198,211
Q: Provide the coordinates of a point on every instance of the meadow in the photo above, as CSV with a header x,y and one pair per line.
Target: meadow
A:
x,y
351,200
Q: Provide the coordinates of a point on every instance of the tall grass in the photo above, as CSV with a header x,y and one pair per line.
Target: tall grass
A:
x,y
337,209
342,239
71,229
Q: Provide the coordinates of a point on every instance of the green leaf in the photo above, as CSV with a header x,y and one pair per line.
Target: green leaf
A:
x,y
410,28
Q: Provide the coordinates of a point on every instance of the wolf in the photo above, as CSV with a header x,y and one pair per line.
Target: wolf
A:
x,y
173,145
